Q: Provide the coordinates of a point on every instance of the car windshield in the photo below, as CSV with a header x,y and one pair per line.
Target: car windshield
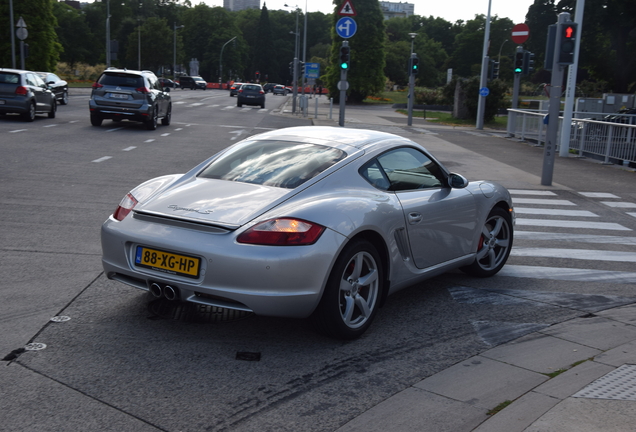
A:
x,y
121,79
197,78
273,163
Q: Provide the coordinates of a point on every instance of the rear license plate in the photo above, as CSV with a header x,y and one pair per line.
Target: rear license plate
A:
x,y
251,97
117,96
167,262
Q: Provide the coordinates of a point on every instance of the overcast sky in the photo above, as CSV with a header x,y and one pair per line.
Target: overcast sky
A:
x,y
450,10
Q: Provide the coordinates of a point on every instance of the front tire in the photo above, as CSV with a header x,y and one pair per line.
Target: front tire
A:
x,y
64,100
494,246
352,295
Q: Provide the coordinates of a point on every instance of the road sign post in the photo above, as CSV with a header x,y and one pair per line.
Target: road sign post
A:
x,y
343,85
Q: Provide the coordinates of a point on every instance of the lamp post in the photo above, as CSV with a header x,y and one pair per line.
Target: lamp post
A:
x,y
305,50
174,52
108,34
139,43
295,72
221,60
481,102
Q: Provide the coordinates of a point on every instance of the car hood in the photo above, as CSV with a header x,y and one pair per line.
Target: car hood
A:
x,y
215,202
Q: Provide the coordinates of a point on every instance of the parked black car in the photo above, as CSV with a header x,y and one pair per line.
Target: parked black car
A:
x,y
251,94
165,82
25,93
120,94
192,82
57,85
234,88
269,87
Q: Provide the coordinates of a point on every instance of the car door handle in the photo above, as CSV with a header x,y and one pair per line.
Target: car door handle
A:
x,y
415,218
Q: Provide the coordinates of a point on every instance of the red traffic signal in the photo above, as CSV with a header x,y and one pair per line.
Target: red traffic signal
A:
x,y
567,44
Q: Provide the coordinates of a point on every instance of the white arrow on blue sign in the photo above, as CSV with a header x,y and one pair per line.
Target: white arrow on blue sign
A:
x,y
484,91
346,27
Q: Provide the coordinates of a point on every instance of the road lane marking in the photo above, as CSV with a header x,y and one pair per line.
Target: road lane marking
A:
x,y
619,204
17,130
113,130
149,140
129,148
102,159
165,134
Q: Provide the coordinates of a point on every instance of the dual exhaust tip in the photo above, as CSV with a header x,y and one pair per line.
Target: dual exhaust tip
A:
x,y
165,291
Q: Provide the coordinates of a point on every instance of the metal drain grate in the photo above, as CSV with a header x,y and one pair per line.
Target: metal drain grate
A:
x,y
619,384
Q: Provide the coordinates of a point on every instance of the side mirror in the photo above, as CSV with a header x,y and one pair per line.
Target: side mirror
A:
x,y
457,181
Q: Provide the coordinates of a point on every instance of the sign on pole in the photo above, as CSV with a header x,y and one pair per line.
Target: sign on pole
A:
x,y
347,9
346,27
520,33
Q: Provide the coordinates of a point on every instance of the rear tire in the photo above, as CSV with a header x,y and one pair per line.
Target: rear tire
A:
x,y
166,120
352,294
151,123
494,246
64,100
96,120
53,109
30,114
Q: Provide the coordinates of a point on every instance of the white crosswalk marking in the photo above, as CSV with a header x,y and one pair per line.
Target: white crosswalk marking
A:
x,y
539,201
572,224
555,212
546,210
582,254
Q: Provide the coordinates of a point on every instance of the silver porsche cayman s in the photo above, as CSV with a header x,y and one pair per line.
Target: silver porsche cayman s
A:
x,y
303,222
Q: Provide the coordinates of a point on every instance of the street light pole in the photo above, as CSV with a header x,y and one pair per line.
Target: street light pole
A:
x,y
295,68
108,33
139,43
174,52
411,82
221,60
481,105
303,80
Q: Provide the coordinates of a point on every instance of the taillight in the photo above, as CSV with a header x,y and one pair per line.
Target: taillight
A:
x,y
97,85
282,232
21,91
143,90
240,91
261,92
125,206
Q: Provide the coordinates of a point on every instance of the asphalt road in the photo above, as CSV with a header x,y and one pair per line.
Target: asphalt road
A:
x,y
120,363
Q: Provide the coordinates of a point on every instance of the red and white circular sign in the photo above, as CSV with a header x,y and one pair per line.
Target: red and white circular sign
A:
x,y
520,33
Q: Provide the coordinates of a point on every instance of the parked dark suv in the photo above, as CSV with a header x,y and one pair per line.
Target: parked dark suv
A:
x,y
192,82
120,94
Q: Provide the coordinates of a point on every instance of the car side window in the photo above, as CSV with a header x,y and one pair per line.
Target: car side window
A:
x,y
407,169
374,174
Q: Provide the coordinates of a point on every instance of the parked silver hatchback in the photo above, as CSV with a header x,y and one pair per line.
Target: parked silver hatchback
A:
x,y
120,94
25,93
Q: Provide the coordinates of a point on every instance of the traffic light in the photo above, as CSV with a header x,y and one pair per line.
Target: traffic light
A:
x,y
345,57
415,65
519,62
302,68
258,76
495,69
528,62
567,45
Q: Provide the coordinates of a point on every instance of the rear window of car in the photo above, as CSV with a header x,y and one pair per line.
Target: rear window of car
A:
x,y
9,78
251,87
121,80
273,163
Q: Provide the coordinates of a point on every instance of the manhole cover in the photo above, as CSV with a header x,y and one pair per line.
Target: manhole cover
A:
x,y
35,346
193,312
619,384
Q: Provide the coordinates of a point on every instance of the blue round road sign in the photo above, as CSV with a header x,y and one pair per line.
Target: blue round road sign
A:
x,y
346,27
484,91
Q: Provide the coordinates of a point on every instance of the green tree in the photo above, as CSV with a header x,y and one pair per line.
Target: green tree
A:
x,y
44,47
77,39
366,74
156,35
264,60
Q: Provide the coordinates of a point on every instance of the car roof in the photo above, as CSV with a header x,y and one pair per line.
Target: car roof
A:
x,y
333,136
